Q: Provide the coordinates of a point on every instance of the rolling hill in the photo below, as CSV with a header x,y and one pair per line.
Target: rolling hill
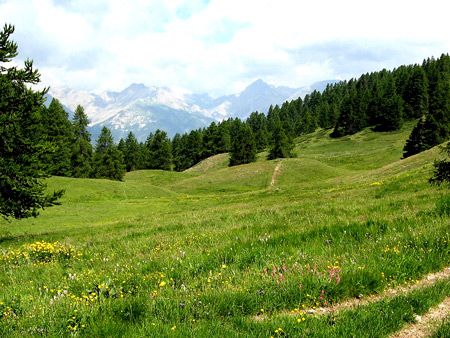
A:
x,y
309,246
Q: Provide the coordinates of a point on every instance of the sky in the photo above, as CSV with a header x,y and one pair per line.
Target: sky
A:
x,y
221,46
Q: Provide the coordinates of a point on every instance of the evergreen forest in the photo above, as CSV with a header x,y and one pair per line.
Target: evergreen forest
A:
x,y
382,100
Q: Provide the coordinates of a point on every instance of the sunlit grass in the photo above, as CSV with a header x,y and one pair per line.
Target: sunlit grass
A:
x,y
200,253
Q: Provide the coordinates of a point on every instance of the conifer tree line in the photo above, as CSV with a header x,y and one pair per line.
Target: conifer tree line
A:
x,y
38,141
383,100
69,149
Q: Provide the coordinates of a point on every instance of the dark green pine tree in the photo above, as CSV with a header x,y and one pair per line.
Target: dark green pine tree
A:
x,y
108,159
422,137
434,128
258,123
212,140
82,154
282,145
351,119
225,140
57,130
441,171
390,107
131,154
243,149
22,191
305,123
142,155
416,93
159,151
180,152
287,118
439,100
195,149
121,146
177,152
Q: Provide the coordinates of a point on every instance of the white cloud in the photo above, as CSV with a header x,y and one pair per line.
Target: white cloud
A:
x,y
221,45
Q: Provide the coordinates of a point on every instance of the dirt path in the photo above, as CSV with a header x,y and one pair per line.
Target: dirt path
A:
x,y
276,173
427,323
428,280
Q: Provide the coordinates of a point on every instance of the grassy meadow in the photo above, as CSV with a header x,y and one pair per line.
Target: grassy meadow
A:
x,y
221,252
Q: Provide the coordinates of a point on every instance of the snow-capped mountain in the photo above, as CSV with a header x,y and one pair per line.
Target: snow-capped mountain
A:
x,y
143,109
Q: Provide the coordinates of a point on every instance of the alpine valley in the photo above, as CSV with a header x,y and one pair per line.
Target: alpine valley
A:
x,y
143,109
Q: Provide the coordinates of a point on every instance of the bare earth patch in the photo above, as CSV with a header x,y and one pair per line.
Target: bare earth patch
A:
x,y
425,325
276,173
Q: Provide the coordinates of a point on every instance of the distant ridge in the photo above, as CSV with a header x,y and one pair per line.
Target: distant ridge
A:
x,y
142,109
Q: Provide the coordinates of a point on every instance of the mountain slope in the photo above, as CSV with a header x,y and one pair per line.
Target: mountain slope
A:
x,y
143,109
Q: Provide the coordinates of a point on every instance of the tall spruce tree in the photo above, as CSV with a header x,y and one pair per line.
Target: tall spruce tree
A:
x,y
122,148
108,159
178,149
132,155
282,144
351,119
195,149
212,140
22,191
82,154
225,140
159,151
434,127
243,149
441,171
416,93
57,130
439,99
258,123
390,115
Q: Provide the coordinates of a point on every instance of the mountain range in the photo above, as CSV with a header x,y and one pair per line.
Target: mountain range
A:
x,y
143,109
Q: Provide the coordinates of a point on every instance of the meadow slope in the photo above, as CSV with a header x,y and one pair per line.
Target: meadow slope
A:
x,y
206,252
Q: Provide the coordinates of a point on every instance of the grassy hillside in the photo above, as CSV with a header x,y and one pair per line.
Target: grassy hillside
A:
x,y
218,251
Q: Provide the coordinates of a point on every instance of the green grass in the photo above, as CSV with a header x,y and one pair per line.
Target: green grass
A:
x,y
378,319
199,253
443,330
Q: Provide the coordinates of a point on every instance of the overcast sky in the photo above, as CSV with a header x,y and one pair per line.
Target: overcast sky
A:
x,y
220,46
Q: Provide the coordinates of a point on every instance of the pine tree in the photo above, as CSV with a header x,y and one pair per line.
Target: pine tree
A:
x,y
434,127
439,99
22,191
281,144
258,123
108,159
441,172
416,93
159,151
58,132
180,151
391,107
131,154
305,123
122,148
225,140
195,147
82,156
177,152
212,140
351,119
243,149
